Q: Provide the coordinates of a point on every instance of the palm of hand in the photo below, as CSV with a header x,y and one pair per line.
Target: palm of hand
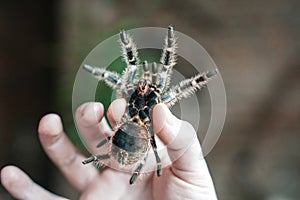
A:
x,y
187,177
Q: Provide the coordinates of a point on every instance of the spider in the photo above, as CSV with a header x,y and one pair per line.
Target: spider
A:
x,y
134,136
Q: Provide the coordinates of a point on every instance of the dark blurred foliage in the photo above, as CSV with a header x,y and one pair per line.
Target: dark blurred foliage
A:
x,y
254,43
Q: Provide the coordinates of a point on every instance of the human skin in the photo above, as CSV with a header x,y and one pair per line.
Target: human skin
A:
x,y
186,178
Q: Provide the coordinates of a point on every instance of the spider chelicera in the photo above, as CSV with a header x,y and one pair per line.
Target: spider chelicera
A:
x,y
134,136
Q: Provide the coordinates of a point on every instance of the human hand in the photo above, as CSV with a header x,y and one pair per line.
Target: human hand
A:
x,y
187,178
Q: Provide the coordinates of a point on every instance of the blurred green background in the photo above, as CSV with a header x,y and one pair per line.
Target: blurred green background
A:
x,y
255,44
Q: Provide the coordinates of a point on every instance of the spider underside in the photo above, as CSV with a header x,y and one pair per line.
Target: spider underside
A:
x,y
134,136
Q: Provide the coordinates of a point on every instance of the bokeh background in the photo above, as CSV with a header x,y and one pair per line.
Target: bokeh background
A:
x,y
254,43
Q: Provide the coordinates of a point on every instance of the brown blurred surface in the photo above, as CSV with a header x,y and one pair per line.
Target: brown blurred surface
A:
x,y
254,43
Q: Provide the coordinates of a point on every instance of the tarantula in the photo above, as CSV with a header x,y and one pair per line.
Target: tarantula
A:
x,y
134,136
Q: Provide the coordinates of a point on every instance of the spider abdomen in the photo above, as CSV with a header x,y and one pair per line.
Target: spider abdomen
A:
x,y
130,143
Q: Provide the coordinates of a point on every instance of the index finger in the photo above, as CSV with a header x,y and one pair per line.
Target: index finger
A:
x,y
92,124
183,146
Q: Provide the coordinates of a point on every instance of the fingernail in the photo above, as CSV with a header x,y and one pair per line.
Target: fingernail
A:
x,y
162,117
50,125
169,117
117,106
91,113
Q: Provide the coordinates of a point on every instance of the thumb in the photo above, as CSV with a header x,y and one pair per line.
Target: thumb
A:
x,y
179,137
183,146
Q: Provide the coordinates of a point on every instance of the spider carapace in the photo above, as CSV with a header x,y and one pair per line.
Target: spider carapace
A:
x,y
134,136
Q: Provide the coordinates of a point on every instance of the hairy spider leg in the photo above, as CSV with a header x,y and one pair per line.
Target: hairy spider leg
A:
x,y
111,79
96,158
187,87
151,103
168,59
129,49
103,142
137,171
130,56
154,148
